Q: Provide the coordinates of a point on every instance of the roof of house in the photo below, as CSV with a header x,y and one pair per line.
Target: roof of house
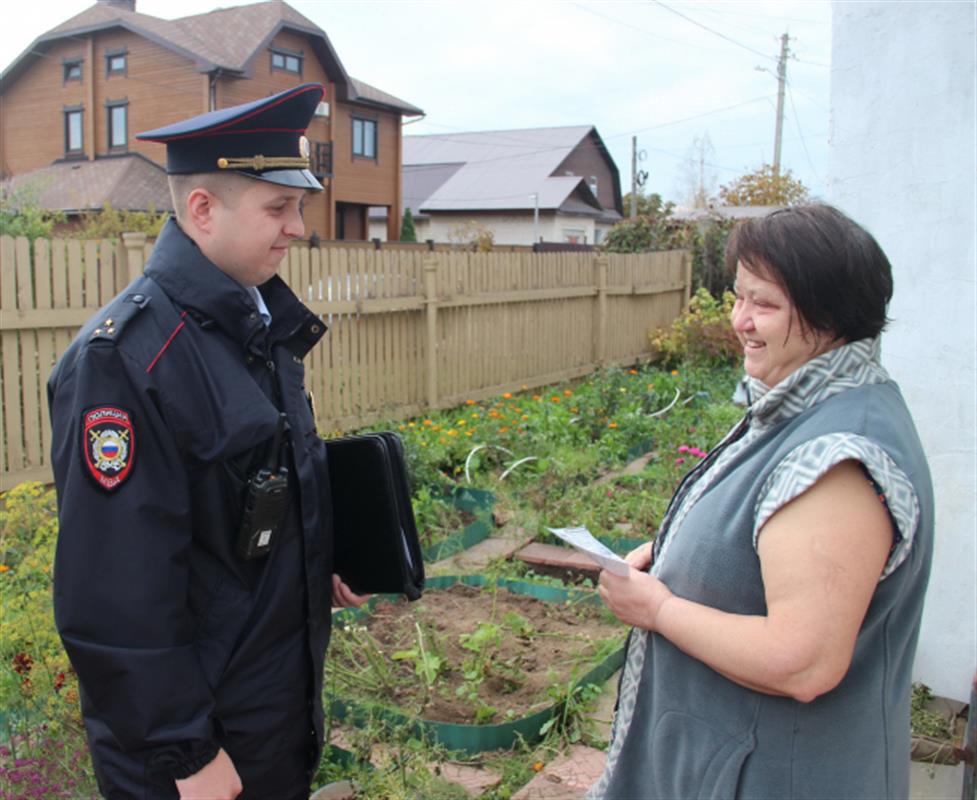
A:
x,y
713,212
130,182
498,170
227,39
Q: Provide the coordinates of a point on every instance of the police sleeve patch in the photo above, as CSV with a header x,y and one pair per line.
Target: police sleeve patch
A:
x,y
108,444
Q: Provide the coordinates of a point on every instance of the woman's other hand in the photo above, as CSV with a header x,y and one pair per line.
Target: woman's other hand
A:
x,y
636,599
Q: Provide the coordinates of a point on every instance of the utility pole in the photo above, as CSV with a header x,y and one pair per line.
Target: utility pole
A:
x,y
781,83
634,177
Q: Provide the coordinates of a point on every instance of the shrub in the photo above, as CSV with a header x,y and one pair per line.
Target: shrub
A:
x,y
701,335
44,744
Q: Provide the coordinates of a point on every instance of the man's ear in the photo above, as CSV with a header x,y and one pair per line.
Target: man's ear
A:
x,y
201,205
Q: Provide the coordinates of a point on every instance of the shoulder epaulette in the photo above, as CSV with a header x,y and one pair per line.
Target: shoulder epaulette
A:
x,y
117,316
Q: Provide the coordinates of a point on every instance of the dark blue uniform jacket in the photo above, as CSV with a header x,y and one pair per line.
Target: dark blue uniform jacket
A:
x,y
161,408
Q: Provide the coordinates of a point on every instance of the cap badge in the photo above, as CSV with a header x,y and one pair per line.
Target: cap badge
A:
x,y
304,149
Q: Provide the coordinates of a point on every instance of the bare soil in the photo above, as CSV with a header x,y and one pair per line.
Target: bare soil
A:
x,y
536,646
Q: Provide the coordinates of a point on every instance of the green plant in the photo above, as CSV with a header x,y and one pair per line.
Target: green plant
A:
x,y
701,335
653,230
574,702
407,231
21,215
428,664
111,223
923,720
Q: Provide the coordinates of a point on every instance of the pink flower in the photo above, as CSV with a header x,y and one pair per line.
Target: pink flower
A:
x,y
679,460
684,448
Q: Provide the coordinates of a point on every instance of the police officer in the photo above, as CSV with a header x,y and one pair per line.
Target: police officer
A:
x,y
193,576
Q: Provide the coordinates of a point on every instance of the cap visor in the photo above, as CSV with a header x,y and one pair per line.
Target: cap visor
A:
x,y
296,178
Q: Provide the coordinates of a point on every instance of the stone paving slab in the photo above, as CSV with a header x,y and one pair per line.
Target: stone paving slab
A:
x,y
567,778
480,555
554,556
474,780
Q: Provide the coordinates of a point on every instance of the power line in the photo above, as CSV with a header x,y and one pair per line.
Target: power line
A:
x,y
797,124
712,30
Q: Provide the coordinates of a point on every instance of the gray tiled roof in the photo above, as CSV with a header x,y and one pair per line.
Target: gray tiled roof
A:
x,y
129,182
496,170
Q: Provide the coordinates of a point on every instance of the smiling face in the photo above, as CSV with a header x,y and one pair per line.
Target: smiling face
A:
x,y
775,340
250,230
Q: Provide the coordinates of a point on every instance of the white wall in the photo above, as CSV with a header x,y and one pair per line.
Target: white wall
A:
x,y
508,228
902,164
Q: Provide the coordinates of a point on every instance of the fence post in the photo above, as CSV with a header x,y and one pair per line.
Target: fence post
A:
x,y
431,312
135,248
600,318
687,264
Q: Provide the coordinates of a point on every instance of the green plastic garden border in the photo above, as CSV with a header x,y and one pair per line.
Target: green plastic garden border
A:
x,y
471,739
474,501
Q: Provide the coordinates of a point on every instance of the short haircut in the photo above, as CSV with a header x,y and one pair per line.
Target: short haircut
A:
x,y
225,186
831,268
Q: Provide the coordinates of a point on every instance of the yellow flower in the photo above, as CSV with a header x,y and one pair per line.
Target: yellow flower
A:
x,y
475,415
469,433
402,428
461,423
451,432
611,424
674,372
411,425
525,417
4,568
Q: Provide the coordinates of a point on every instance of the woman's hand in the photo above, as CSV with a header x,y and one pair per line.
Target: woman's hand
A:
x,y
636,599
640,557
344,597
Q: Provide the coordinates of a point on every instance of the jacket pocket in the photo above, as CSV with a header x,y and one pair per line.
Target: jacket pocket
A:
x,y
691,758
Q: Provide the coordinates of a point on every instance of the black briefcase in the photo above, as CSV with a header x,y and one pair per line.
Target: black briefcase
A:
x,y
376,549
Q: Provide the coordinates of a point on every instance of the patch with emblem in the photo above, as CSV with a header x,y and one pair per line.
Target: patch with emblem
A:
x,y
108,442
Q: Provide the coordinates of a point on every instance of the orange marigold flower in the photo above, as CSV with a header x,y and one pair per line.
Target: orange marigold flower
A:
x,y
574,409
503,430
428,422
567,392
537,398
451,432
4,568
632,372
611,424
469,402
537,766
555,398
525,417
507,395
674,372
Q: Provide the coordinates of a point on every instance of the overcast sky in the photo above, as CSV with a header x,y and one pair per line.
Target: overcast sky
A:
x,y
667,72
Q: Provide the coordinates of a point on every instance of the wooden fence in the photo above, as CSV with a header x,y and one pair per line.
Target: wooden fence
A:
x,y
409,329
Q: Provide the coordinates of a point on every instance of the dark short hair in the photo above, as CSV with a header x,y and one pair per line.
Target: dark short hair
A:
x,y
833,270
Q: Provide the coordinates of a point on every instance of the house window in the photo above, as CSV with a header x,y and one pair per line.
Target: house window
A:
x,y
365,138
115,62
74,142
71,70
286,61
118,127
320,162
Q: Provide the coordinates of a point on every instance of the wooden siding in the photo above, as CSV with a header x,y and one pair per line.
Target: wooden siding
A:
x,y
409,329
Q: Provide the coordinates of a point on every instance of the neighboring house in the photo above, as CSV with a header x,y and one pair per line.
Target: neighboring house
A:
x,y
537,184
80,92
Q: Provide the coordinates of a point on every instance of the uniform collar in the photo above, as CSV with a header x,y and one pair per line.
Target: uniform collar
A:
x,y
195,283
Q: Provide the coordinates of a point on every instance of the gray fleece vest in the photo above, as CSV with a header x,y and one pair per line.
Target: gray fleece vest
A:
x,y
695,734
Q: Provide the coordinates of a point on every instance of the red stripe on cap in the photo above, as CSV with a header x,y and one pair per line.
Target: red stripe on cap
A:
x,y
168,341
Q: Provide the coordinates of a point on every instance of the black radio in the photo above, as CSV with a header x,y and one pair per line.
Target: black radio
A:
x,y
265,503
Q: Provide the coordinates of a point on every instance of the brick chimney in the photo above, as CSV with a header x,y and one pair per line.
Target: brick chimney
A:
x,y
128,5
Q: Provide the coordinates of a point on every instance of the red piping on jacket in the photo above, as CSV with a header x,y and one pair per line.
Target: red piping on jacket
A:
x,y
172,337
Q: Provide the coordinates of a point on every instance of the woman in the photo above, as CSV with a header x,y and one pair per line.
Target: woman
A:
x,y
775,631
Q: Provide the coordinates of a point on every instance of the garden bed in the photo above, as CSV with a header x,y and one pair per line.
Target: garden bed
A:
x,y
474,665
